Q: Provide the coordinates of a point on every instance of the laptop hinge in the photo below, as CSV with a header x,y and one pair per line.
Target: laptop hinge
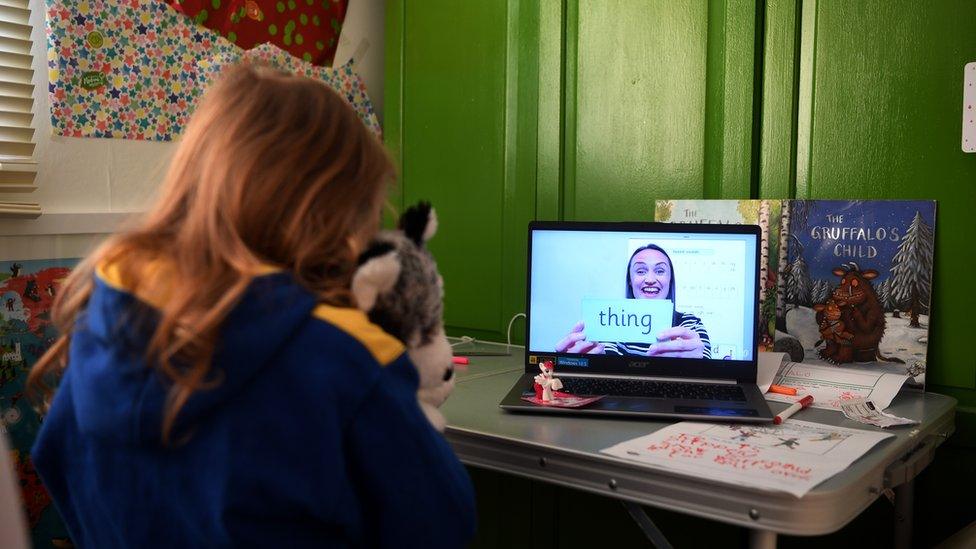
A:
x,y
652,378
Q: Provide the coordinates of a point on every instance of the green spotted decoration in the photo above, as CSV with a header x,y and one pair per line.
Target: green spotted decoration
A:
x,y
248,23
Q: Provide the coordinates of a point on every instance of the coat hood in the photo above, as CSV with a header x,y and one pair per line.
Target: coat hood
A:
x,y
119,396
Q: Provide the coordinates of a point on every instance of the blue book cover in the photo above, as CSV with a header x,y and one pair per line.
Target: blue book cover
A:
x,y
855,288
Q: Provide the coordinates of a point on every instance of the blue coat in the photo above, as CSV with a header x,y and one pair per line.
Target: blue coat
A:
x,y
312,437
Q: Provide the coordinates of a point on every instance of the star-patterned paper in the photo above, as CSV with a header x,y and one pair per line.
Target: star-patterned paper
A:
x,y
130,69
343,80
124,68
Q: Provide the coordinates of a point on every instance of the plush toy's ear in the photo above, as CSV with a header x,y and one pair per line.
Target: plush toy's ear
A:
x,y
419,223
379,268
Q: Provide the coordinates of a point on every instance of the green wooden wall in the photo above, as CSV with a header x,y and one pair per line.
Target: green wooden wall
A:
x,y
507,111
461,122
880,116
875,92
504,111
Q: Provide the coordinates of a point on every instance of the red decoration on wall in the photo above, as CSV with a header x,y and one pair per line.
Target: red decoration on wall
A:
x,y
36,498
307,29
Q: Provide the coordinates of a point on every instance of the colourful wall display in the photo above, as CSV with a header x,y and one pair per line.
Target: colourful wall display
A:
x,y
131,69
27,291
343,80
124,69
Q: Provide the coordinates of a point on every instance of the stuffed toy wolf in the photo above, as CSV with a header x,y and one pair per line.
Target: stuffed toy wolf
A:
x,y
397,284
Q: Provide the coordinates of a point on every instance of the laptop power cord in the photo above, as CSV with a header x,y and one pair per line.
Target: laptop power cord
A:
x,y
508,341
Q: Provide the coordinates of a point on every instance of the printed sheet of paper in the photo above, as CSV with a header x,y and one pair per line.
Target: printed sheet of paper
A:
x,y
865,411
769,364
832,386
793,457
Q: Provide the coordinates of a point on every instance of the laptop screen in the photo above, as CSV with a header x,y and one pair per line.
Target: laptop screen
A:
x,y
644,298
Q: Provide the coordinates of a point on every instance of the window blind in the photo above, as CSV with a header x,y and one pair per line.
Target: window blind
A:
x,y
17,166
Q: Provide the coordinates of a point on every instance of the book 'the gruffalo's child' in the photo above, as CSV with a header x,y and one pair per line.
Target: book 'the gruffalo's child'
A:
x,y
849,281
857,283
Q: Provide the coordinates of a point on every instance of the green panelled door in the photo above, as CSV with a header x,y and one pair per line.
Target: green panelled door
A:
x,y
454,122
634,101
880,112
658,104
644,100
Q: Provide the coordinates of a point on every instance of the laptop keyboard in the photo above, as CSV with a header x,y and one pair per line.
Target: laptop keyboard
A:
x,y
652,389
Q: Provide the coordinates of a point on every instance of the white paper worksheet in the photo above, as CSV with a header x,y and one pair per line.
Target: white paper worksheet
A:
x,y
832,386
792,457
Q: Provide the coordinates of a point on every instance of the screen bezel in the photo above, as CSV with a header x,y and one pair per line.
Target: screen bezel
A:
x,y
739,370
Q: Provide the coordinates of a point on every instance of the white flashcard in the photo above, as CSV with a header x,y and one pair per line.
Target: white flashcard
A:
x,y
630,320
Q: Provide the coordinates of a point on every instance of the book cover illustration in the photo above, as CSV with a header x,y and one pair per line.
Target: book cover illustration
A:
x,y
27,292
855,286
766,214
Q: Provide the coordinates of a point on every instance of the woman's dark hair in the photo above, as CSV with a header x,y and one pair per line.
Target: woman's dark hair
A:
x,y
630,289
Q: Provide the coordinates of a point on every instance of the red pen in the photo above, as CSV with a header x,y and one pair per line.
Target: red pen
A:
x,y
796,407
459,360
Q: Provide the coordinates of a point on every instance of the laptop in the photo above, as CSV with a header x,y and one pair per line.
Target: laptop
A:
x,y
659,319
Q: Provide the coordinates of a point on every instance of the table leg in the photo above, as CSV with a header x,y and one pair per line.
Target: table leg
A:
x,y
762,539
646,525
904,514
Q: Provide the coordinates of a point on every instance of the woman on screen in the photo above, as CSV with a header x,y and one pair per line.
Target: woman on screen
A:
x,y
650,275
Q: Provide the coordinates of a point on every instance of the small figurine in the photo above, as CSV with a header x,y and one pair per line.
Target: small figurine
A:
x,y
547,391
545,384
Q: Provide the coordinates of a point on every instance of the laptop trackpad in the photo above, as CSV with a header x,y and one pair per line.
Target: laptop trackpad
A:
x,y
629,404
716,411
664,406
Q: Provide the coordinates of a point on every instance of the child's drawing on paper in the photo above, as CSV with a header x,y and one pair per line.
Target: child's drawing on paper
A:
x,y
792,457
789,435
742,435
828,437
790,443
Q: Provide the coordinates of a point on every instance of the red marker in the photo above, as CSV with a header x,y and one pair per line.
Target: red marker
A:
x,y
796,407
783,390
459,360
